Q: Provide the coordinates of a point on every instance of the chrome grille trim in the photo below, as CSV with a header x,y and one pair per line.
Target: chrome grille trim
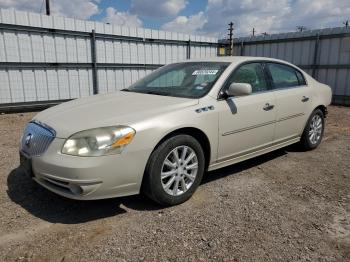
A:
x,y
41,137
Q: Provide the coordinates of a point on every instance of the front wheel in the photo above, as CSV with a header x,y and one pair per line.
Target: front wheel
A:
x,y
313,132
174,170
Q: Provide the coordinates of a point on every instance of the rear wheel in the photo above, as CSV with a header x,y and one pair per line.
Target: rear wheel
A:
x,y
174,170
313,132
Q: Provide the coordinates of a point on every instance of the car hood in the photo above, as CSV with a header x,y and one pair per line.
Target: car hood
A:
x,y
120,108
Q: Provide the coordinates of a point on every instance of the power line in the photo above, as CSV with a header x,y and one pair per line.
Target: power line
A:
x,y
41,7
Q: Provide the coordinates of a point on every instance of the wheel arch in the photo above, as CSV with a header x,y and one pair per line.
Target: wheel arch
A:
x,y
197,134
323,108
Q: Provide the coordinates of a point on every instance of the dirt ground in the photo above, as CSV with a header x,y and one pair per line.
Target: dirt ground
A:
x,y
284,206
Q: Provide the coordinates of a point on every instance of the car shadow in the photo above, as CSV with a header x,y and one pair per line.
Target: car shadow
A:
x,y
244,165
53,208
295,148
50,207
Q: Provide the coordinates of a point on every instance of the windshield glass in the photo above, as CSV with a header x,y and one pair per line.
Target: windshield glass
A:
x,y
191,79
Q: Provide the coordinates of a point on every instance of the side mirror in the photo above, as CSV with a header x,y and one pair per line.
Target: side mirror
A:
x,y
239,89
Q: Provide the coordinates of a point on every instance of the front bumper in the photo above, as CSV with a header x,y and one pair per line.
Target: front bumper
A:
x,y
87,178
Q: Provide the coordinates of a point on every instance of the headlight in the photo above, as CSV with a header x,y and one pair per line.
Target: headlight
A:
x,y
99,141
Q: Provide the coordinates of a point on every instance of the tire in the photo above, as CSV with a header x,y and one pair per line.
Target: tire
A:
x,y
308,142
160,170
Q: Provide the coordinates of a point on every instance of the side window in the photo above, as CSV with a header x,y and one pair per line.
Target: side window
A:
x,y
284,76
171,79
253,74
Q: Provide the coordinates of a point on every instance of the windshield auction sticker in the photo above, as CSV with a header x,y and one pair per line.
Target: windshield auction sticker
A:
x,y
205,72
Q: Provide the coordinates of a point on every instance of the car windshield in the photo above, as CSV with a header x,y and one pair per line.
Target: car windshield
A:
x,y
190,79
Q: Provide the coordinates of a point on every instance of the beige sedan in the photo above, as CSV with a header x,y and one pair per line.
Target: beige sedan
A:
x,y
162,133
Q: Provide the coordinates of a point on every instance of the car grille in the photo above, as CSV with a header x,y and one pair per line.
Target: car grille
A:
x,y
36,139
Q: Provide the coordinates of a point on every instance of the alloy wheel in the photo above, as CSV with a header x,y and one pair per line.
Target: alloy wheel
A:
x,y
315,129
179,170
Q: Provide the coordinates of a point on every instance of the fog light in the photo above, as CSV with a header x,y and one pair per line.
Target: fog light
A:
x,y
75,189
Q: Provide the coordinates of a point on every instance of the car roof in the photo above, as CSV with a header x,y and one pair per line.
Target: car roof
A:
x,y
234,59
239,59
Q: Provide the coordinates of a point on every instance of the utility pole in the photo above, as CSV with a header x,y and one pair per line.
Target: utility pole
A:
x,y
346,23
301,28
48,11
265,34
253,31
230,34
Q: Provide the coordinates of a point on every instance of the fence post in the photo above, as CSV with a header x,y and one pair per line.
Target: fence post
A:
x,y
94,62
315,62
242,48
189,49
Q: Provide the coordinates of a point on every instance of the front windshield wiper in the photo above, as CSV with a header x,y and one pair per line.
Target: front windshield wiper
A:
x,y
157,93
151,92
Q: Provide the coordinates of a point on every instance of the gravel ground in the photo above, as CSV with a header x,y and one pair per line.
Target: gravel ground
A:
x,y
284,206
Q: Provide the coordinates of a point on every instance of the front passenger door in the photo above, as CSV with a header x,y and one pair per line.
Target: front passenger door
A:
x,y
246,123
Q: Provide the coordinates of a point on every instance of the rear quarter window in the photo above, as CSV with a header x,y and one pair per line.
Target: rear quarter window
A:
x,y
284,76
301,78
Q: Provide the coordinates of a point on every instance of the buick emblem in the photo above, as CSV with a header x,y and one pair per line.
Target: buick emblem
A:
x,y
28,139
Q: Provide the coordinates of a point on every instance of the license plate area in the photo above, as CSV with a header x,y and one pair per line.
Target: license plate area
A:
x,y
26,164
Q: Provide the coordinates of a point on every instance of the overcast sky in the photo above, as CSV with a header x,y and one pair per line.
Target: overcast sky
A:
x,y
209,17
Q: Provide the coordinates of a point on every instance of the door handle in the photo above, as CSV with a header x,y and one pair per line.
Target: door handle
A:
x,y
305,99
268,107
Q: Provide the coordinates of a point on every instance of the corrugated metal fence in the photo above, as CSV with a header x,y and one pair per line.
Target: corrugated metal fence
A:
x,y
324,54
47,59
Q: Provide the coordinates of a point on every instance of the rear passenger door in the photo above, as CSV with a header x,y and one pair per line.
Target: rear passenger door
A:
x,y
292,99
